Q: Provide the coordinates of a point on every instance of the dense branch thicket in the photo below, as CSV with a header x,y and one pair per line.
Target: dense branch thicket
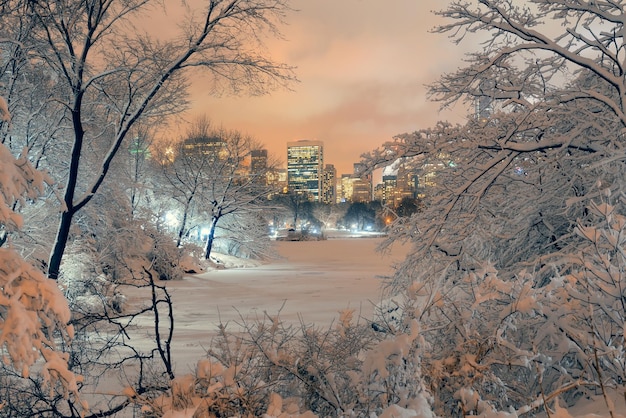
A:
x,y
100,77
34,316
210,177
502,269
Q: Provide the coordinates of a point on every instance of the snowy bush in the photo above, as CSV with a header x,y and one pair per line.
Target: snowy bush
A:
x,y
165,257
119,244
519,345
266,368
34,314
85,289
121,255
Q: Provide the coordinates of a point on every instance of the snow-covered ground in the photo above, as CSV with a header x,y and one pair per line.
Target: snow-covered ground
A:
x,y
310,281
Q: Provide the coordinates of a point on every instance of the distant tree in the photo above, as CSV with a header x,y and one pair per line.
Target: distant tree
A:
x,y
137,168
109,78
408,206
298,204
210,178
185,167
245,235
359,215
329,214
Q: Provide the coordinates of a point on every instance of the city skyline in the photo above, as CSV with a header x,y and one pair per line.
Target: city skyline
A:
x,y
362,66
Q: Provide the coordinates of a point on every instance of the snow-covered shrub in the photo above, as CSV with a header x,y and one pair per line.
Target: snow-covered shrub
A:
x,y
85,289
584,309
109,342
266,368
215,389
244,236
522,344
117,245
211,391
164,257
34,315
560,338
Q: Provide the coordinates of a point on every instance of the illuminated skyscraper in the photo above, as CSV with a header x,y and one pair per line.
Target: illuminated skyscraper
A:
x,y
259,171
361,185
356,187
213,146
258,161
329,185
305,167
390,189
400,181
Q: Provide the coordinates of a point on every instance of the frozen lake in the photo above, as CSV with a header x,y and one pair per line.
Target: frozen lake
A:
x,y
312,281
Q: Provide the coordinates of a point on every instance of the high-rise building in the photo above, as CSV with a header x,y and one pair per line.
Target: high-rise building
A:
x,y
258,166
361,190
356,187
278,178
400,181
212,146
305,167
390,188
407,182
258,161
362,184
379,193
346,188
329,185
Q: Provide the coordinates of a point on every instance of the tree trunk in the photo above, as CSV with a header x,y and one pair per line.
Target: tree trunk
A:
x,y
210,238
63,234
183,224
181,230
63,231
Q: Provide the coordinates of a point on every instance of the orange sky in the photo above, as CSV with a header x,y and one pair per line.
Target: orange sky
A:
x,y
362,66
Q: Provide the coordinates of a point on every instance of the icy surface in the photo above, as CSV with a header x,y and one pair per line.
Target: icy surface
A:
x,y
312,281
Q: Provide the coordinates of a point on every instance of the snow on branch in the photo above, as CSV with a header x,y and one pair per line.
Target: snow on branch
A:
x,y
34,314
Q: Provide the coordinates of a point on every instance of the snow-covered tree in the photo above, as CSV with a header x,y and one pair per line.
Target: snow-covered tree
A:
x,y
298,204
37,121
359,216
245,235
265,367
211,178
510,186
35,317
497,254
110,74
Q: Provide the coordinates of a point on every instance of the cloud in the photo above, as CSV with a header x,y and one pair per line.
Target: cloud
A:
x,y
363,67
